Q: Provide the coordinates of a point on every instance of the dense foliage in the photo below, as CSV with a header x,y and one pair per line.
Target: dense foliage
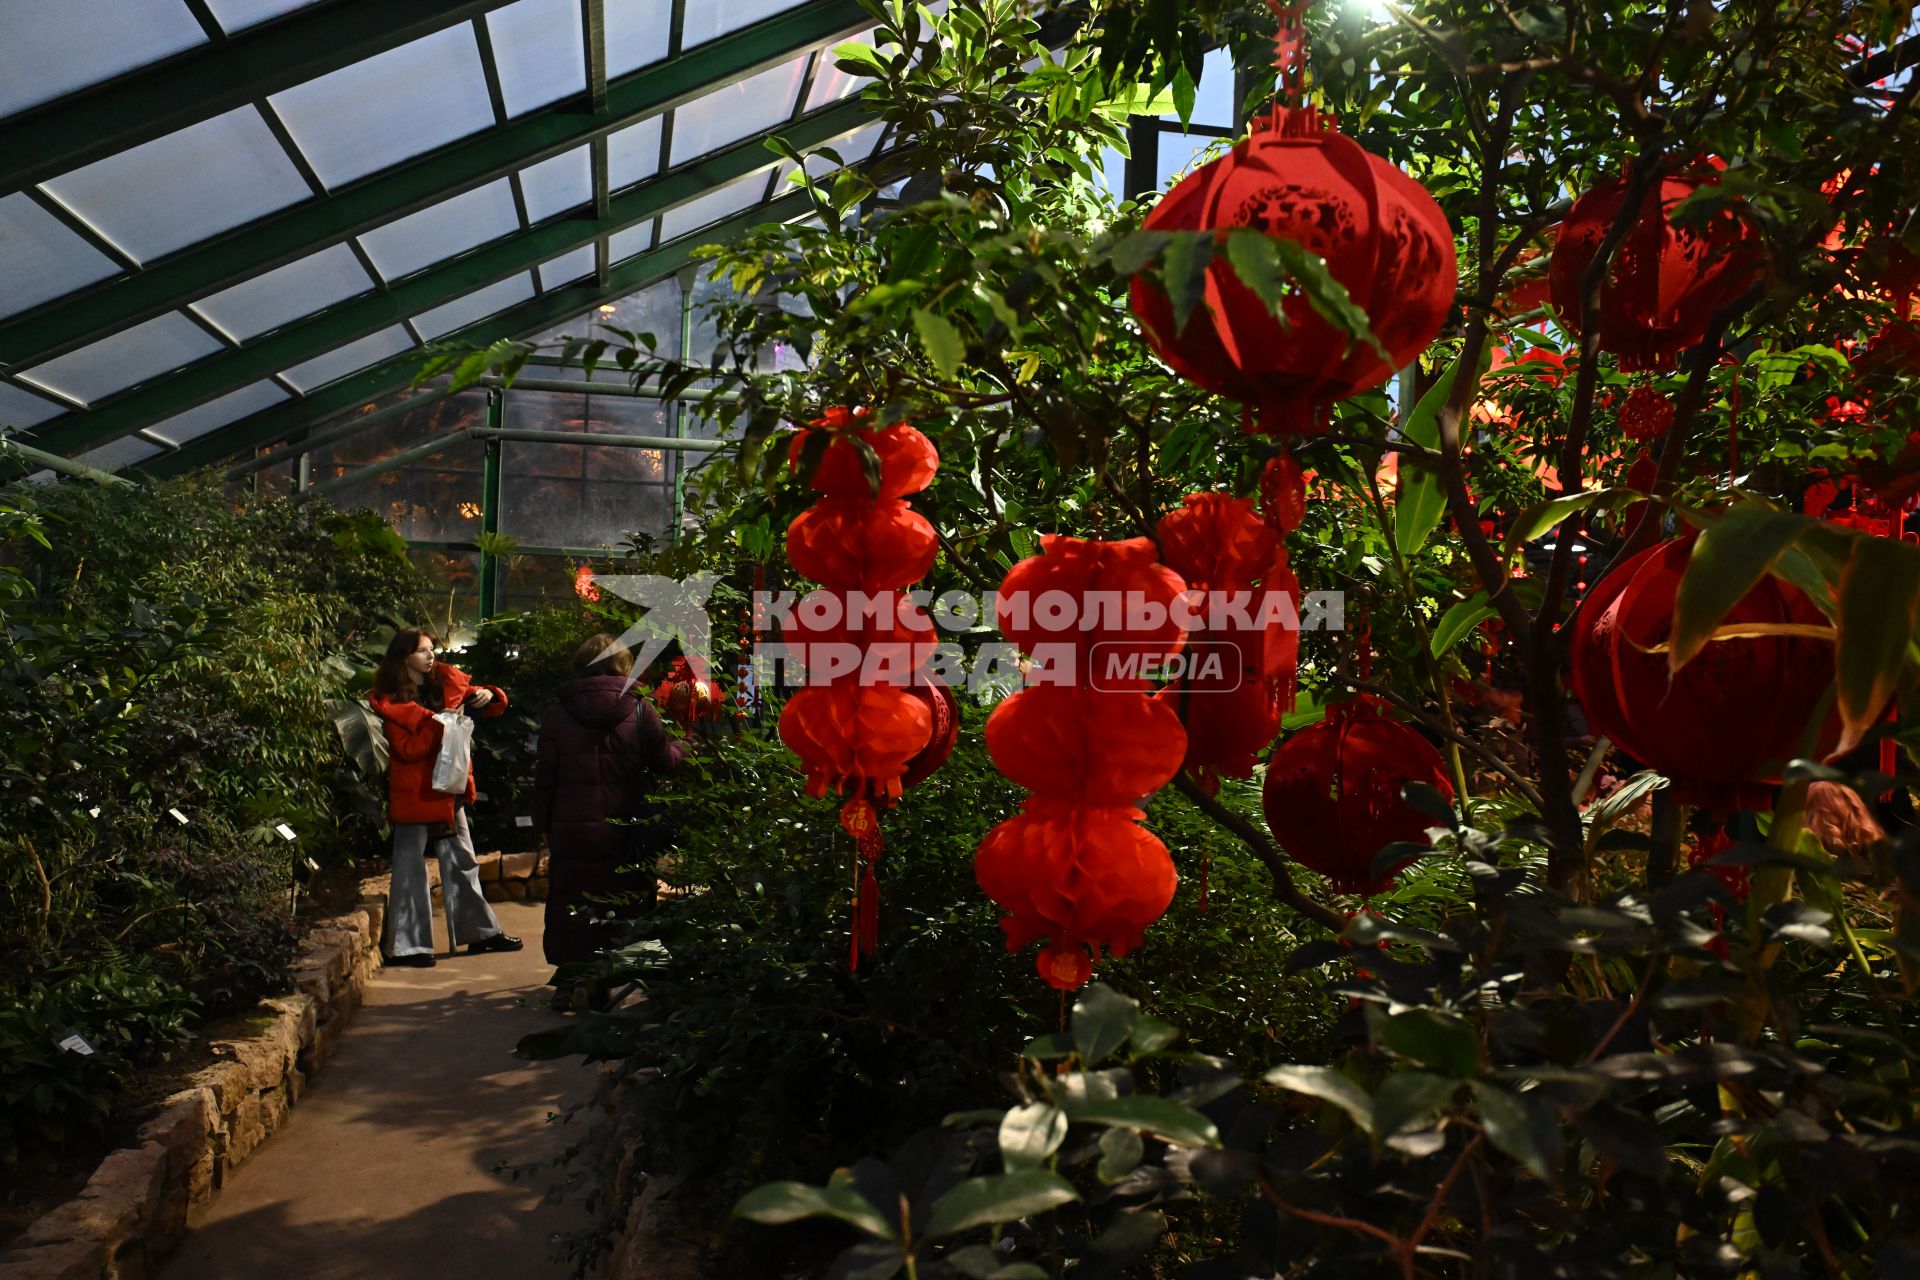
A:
x,y
164,697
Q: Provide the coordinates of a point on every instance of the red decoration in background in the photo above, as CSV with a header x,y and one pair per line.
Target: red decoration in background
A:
x,y
1726,723
1646,415
1221,545
1297,178
1665,282
1332,795
1074,866
944,709
686,697
865,731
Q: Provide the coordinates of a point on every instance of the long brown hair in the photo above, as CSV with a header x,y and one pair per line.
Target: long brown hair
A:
x,y
392,680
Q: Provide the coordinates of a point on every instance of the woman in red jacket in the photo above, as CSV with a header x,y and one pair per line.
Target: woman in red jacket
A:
x,y
409,690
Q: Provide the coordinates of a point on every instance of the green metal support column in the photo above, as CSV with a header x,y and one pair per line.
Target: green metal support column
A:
x,y
687,276
490,506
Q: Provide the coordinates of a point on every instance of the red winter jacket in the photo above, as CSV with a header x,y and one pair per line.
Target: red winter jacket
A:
x,y
413,743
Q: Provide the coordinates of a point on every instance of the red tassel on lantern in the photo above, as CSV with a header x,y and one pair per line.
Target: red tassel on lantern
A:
x,y
1332,795
1726,723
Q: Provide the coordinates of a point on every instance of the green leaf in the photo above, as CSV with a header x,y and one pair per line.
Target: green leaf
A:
x,y
1327,296
1131,1232
1183,272
1120,1152
1408,1097
1433,1039
1255,258
943,343
1184,91
859,59
1102,1020
1329,1086
1007,1197
1460,618
1151,1035
779,1202
1163,1117
1420,503
1730,557
1135,252
1031,1133
1879,589
1517,1126
1542,516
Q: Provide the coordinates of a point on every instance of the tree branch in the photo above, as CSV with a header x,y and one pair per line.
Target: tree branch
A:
x,y
1263,847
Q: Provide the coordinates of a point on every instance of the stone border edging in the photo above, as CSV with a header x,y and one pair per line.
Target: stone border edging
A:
x,y
134,1209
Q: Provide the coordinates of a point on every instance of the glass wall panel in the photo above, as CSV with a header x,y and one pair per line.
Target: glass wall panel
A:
x,y
19,408
539,52
531,582
452,595
40,258
160,345
351,358
637,33
558,183
439,231
726,115
215,414
54,49
633,153
300,288
475,306
708,21
569,495
435,498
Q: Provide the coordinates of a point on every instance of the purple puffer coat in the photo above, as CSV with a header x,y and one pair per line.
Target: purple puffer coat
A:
x,y
601,747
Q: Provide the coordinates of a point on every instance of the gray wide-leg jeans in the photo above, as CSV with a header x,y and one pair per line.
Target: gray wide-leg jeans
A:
x,y
410,896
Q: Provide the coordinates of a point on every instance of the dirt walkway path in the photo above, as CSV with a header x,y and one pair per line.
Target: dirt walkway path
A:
x,y
390,1167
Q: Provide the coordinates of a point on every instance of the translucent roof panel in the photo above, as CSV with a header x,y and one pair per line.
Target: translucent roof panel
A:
x,y
637,33
622,245
633,153
214,414
560,182
726,115
300,288
721,202
478,305
116,454
52,49
390,107
539,51
830,83
567,267
442,230
352,358
233,15
706,22
184,187
19,408
101,368
40,258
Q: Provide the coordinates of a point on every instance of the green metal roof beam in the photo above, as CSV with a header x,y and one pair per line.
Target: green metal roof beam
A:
x,y
544,312
174,393
151,102
81,317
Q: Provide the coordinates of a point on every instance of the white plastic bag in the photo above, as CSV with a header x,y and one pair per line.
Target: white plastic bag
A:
x,y
456,753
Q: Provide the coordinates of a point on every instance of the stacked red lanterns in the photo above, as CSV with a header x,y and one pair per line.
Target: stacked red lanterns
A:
x,y
1232,706
1297,178
1332,795
1666,281
1727,722
860,730
1074,866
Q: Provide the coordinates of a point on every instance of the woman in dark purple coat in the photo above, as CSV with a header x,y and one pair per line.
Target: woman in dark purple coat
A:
x,y
601,750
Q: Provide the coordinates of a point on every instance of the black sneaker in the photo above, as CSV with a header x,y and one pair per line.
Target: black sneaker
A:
x,y
420,961
498,942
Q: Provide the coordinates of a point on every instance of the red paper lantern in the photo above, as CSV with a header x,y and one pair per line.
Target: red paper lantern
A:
x,y
1665,282
855,739
1727,722
1050,599
1297,178
908,459
860,544
1082,876
1083,745
944,710
1332,795
1216,541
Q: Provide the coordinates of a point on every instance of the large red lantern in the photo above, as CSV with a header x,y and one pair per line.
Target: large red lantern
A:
x,y
944,736
1075,867
1727,722
907,458
1666,281
1297,178
1332,795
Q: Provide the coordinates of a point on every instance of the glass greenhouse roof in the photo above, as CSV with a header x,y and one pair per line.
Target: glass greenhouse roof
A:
x,y
223,219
